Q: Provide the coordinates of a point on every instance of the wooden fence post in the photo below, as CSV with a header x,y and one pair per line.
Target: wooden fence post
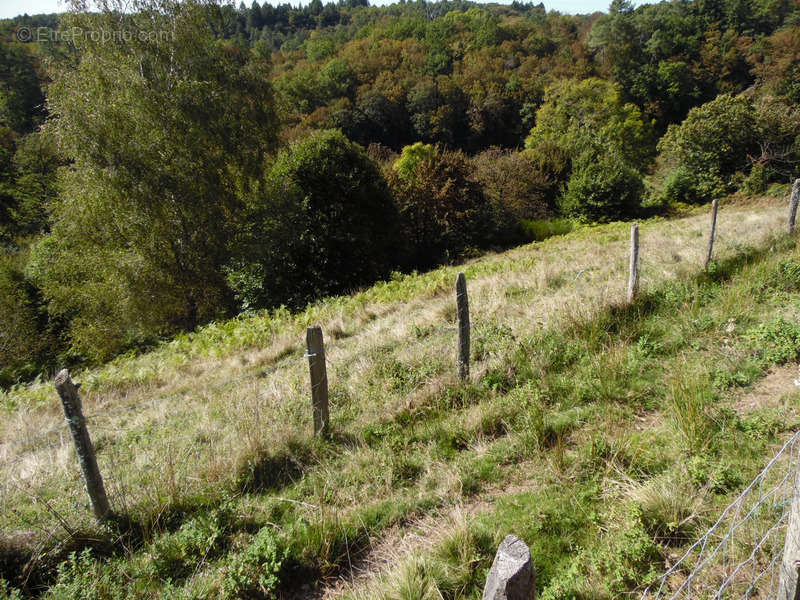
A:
x,y
463,326
71,401
633,270
714,208
788,588
793,200
319,379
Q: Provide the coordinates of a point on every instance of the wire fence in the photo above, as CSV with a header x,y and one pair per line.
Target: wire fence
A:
x,y
740,554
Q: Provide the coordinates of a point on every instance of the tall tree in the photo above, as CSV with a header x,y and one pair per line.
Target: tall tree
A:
x,y
167,128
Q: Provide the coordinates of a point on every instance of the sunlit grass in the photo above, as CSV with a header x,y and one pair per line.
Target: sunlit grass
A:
x,y
579,410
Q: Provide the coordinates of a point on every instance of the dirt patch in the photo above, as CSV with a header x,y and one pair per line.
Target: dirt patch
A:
x,y
415,537
778,382
418,536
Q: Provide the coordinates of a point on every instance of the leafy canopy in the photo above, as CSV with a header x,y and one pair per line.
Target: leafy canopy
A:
x,y
167,128
591,113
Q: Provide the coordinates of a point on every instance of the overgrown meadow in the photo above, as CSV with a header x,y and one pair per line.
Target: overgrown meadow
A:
x,y
605,435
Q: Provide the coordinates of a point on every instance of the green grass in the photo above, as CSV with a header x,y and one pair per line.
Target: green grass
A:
x,y
604,438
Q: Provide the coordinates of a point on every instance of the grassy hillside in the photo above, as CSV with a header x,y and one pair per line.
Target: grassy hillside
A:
x,y
604,435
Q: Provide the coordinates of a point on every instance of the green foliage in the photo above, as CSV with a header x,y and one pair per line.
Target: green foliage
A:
x,y
591,113
81,577
410,158
602,188
324,223
778,133
689,400
7,592
175,555
514,185
35,161
686,186
709,147
776,342
166,128
255,569
21,97
443,211
541,230
27,344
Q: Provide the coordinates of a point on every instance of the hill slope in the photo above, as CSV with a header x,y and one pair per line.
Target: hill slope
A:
x,y
576,408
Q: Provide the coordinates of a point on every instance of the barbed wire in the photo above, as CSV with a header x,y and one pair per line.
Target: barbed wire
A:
x,y
742,548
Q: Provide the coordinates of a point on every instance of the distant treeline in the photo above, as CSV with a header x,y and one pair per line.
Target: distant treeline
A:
x,y
266,156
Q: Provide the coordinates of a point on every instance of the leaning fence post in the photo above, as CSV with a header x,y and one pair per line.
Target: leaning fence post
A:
x,y
793,200
633,270
714,207
790,563
319,379
463,326
71,401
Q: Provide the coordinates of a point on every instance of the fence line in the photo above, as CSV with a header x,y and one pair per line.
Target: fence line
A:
x,y
266,371
318,386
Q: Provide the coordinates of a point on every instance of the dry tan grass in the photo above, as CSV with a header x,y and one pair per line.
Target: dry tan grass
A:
x,y
206,433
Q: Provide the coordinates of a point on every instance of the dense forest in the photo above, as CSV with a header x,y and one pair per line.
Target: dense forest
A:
x,y
202,160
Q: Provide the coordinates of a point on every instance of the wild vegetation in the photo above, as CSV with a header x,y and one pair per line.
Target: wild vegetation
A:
x,y
602,434
161,179
180,202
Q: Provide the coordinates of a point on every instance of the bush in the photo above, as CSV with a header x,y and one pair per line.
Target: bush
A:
x,y
443,210
516,188
255,570
26,344
602,189
776,342
683,185
756,183
324,224
713,142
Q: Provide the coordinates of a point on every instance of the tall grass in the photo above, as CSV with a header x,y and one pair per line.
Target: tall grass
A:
x,y
575,400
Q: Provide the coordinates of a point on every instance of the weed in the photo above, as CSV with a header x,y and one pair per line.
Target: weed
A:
x,y
775,342
255,569
690,398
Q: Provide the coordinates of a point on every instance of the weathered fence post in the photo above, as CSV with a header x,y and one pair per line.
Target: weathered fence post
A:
x,y
319,379
71,401
793,200
463,326
714,208
788,588
633,270
512,576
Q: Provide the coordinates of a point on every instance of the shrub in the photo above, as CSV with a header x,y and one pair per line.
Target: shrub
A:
x,y
683,185
712,143
255,570
443,211
602,188
81,577
516,188
776,342
756,183
324,224
26,343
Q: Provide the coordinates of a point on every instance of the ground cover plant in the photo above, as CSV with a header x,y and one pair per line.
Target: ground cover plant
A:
x,y
604,435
